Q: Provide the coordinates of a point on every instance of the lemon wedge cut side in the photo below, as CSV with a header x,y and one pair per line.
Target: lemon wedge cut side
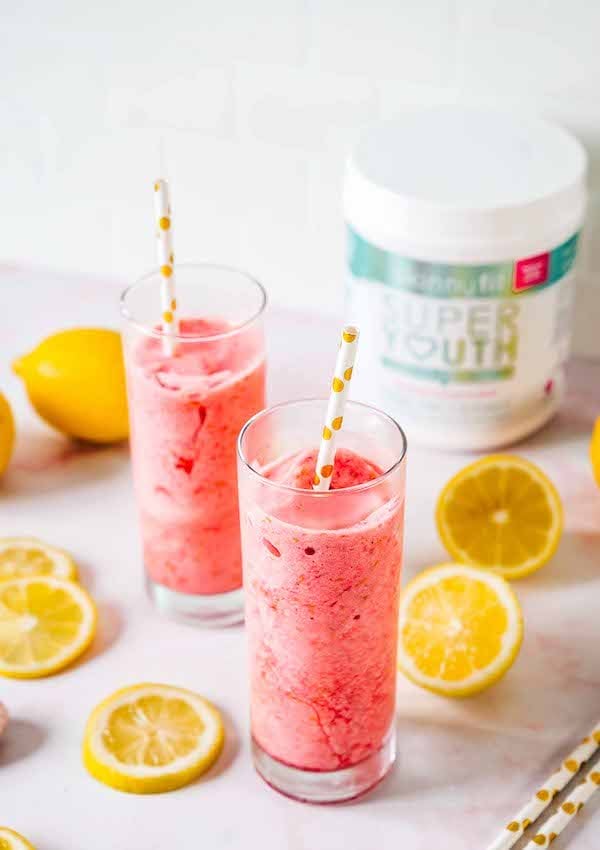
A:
x,y
460,629
45,624
149,738
501,513
11,840
26,556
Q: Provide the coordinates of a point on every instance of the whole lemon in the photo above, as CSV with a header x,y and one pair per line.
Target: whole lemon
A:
x,y
7,433
76,381
595,451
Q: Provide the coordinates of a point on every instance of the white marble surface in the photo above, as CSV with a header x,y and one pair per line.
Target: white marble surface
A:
x,y
464,766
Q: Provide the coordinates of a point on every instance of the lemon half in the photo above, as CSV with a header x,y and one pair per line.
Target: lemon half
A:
x,y
460,629
11,840
502,513
26,556
45,624
150,738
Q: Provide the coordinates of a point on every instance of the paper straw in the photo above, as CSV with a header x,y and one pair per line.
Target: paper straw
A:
x,y
166,259
541,799
342,376
567,811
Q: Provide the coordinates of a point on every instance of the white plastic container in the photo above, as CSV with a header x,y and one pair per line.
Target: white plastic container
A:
x,y
463,228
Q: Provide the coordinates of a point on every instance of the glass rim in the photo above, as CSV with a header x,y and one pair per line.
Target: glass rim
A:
x,y
355,488
159,333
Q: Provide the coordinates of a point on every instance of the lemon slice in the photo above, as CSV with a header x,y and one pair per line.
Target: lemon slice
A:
x,y
148,738
460,629
501,513
26,556
11,840
45,623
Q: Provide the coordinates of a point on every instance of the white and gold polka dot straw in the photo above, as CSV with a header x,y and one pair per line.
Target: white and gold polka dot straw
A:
x,y
542,797
166,259
567,811
334,418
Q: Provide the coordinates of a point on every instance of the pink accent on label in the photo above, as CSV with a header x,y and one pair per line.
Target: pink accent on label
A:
x,y
531,272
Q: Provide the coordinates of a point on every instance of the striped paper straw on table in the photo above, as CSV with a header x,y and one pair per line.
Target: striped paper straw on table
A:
x,y
567,811
541,799
166,259
334,417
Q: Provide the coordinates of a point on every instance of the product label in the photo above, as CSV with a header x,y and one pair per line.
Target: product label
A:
x,y
442,280
479,328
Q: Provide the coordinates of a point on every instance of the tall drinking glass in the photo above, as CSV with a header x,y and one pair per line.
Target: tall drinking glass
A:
x,y
186,409
322,580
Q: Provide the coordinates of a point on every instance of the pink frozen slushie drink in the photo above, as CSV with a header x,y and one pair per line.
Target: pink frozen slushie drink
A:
x,y
186,410
322,580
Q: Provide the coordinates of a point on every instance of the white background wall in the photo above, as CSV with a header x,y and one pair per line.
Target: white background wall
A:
x,y
257,102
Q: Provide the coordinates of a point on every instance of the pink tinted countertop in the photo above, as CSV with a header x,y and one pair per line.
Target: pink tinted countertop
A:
x,y
464,766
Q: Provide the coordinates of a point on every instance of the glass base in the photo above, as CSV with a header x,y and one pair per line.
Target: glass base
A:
x,y
206,610
326,786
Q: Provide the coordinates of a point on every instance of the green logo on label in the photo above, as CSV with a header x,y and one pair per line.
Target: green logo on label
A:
x,y
444,280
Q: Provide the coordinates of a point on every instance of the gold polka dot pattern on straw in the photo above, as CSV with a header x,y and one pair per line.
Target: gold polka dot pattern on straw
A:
x,y
164,233
543,796
567,811
340,384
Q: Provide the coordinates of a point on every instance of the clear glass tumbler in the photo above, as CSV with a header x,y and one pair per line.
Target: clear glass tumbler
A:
x,y
186,409
322,581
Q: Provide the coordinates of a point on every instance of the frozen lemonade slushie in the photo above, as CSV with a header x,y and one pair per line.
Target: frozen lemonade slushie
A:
x,y
186,410
322,578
